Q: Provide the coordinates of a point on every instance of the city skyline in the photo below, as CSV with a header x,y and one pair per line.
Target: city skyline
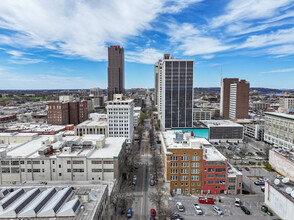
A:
x,y
52,45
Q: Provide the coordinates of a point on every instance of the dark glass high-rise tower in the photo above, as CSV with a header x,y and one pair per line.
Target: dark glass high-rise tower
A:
x,y
116,71
177,101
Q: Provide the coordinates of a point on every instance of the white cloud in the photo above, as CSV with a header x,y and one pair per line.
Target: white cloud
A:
x,y
147,56
193,41
79,27
208,56
280,71
282,36
282,50
240,10
18,57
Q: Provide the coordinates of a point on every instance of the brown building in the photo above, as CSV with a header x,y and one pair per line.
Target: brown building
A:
x,y
116,80
183,161
63,113
234,98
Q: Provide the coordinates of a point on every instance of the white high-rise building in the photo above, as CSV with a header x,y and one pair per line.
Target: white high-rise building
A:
x,y
120,115
158,86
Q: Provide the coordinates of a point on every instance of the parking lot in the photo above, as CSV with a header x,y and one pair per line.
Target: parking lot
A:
x,y
252,202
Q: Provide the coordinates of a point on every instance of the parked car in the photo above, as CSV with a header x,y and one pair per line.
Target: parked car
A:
x,y
198,210
134,182
217,210
237,202
245,210
129,213
153,212
151,182
259,182
180,207
151,177
246,168
176,216
260,178
239,168
134,177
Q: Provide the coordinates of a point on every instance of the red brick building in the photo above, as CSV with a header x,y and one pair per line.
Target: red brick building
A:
x,y
63,113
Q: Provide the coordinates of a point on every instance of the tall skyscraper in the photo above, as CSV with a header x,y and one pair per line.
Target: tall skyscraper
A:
x,y
177,93
234,98
116,75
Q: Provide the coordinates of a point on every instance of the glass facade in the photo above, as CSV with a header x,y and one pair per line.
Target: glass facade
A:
x,y
178,94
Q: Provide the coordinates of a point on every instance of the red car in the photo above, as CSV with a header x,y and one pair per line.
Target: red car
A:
x,y
153,212
246,168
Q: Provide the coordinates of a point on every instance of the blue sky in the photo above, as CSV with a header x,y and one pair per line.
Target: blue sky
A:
x,y
62,44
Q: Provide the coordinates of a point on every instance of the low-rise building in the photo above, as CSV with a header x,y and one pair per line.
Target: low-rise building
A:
x,y
7,118
224,131
201,114
282,161
252,128
279,198
57,158
91,127
278,129
42,129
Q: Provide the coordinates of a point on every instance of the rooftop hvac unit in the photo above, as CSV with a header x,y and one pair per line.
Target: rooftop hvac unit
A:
x,y
292,193
285,180
277,181
288,190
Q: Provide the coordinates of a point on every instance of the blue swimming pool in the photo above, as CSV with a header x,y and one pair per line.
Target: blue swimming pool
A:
x,y
203,132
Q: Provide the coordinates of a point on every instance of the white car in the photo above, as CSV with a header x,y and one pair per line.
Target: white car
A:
x,y
180,207
237,202
217,210
198,210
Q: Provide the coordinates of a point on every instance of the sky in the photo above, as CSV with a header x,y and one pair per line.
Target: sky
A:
x,y
62,44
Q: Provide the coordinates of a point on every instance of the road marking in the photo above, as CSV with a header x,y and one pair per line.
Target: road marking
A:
x,y
142,187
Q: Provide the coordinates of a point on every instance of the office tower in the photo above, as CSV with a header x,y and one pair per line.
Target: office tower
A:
x,y
177,93
286,103
116,80
95,92
63,113
234,98
120,114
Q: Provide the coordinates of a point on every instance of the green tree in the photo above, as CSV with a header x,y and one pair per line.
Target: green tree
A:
x,y
143,117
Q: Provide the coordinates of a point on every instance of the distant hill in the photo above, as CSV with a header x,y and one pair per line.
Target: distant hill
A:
x,y
258,89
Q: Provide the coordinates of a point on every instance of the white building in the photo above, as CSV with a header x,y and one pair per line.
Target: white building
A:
x,y
278,129
158,85
57,158
201,114
91,127
120,115
286,104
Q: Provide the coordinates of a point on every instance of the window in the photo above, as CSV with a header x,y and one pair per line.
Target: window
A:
x,y
108,170
77,162
210,170
184,178
53,162
210,182
185,171
96,170
220,170
59,166
231,188
210,176
184,164
36,162
173,164
5,163
60,174
220,182
220,175
174,158
53,170
14,170
96,162
195,178
69,170
173,177
232,180
14,163
210,163
5,170
78,170
184,158
220,163
195,171
108,162
195,164
22,162
68,161
195,158
173,171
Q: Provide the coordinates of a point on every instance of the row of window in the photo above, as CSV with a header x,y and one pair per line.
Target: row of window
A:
x,y
194,164
184,171
16,163
185,178
185,158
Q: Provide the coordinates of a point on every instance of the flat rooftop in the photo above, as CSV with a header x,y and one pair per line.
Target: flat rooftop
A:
x,y
220,123
212,154
282,187
281,115
90,123
182,140
29,127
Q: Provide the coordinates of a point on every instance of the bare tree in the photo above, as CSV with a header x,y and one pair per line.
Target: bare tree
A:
x,y
242,153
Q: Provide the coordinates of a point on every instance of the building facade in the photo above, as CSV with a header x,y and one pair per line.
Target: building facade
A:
x,y
120,115
116,74
286,103
234,101
63,113
177,93
201,114
278,129
91,127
